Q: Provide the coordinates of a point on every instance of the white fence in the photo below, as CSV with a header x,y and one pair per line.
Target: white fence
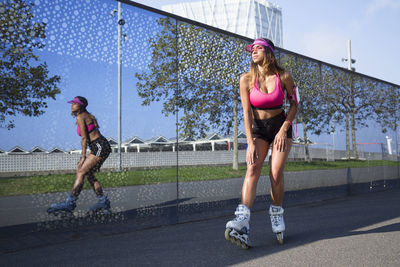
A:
x,y
19,165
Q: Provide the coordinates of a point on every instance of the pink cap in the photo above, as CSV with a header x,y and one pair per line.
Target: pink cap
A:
x,y
259,41
77,101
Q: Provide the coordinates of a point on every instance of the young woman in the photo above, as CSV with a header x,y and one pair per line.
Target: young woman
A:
x,y
266,126
88,165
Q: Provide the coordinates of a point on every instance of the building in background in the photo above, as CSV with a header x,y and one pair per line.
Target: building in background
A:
x,y
250,18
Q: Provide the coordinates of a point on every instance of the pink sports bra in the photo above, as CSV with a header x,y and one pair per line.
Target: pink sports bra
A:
x,y
260,100
90,128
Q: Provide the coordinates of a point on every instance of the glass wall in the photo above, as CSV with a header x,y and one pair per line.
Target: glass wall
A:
x,y
183,145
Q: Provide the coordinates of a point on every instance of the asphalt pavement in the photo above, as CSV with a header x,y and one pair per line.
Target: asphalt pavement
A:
x,y
361,230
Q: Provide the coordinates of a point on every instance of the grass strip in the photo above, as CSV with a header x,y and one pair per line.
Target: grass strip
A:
x,y
63,182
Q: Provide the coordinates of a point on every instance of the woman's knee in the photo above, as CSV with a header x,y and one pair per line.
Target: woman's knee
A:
x,y
81,173
276,172
276,176
253,170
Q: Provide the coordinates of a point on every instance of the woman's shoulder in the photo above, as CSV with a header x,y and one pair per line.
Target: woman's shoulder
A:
x,y
286,79
84,116
285,74
245,77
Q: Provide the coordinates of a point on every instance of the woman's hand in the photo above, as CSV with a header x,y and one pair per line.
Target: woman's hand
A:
x,y
251,153
81,161
280,140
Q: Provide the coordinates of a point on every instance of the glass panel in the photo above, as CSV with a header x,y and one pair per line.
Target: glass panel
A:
x,y
39,156
182,121
210,64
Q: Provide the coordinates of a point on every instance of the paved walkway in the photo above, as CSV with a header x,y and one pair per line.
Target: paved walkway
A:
x,y
16,210
362,230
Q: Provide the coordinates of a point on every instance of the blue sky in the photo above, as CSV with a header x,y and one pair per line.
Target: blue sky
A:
x,y
81,47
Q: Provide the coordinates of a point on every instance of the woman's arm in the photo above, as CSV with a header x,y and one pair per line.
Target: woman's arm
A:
x,y
84,135
247,112
281,136
288,84
251,154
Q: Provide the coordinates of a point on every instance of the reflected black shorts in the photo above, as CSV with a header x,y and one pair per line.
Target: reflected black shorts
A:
x,y
100,147
267,129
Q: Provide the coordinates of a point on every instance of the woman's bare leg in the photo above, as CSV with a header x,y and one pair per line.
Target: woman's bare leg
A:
x,y
89,163
98,190
253,174
277,164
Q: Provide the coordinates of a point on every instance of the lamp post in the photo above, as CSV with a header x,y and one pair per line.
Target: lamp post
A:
x,y
389,144
333,132
348,117
349,59
121,22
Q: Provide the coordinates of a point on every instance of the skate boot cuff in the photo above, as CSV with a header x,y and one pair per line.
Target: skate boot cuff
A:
x,y
72,198
242,210
102,199
276,210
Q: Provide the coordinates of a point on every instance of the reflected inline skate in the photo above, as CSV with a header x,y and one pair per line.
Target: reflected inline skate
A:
x,y
101,207
64,208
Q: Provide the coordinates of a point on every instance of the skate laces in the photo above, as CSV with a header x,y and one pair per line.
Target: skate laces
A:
x,y
276,219
241,214
71,199
103,199
276,215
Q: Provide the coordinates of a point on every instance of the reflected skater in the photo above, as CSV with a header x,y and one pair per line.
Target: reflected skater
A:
x,y
88,165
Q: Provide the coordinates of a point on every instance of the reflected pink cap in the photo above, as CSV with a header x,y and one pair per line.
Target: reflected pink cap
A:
x,y
77,101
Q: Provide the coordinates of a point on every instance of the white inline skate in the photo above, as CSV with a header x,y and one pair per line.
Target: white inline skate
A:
x,y
238,229
277,222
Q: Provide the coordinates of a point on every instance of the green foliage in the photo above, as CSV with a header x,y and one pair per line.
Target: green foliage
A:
x,y
348,93
307,77
196,71
332,94
386,106
24,81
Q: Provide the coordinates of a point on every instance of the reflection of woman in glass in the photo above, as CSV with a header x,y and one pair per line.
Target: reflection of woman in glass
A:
x,y
88,129
267,126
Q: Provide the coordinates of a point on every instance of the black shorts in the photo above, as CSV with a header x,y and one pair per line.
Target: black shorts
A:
x,y
100,147
267,129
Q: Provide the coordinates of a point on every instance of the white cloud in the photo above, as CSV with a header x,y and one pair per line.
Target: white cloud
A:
x,y
376,5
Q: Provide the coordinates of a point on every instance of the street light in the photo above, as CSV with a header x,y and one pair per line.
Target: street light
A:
x,y
349,60
121,22
389,144
112,13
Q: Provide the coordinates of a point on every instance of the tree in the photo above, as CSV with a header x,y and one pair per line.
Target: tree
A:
x,y
197,71
349,96
24,81
387,105
307,78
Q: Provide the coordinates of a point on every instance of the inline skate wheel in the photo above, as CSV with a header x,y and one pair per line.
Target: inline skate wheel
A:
x,y
227,236
245,246
279,236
